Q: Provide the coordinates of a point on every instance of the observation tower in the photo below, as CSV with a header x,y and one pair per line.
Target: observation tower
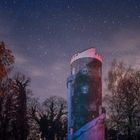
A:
x,y
84,95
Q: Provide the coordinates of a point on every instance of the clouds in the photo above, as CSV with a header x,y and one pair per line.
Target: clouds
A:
x,y
63,29
49,74
124,45
25,64
46,80
20,59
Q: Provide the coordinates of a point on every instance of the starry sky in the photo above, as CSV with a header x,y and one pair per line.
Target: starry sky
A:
x,y
44,34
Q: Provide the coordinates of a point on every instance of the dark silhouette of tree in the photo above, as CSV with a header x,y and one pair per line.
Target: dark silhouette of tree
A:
x,y
13,99
52,121
21,117
123,100
6,96
13,109
33,103
6,109
20,124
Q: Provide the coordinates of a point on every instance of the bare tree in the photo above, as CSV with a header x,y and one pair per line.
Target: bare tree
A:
x,y
51,120
6,96
123,100
33,107
7,110
20,125
14,114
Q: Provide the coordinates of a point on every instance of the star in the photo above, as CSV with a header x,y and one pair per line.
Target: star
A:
x,y
46,34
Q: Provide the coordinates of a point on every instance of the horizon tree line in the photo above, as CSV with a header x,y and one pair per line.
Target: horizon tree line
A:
x,y
23,117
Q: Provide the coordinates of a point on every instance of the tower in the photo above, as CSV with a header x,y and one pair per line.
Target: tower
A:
x,y
84,90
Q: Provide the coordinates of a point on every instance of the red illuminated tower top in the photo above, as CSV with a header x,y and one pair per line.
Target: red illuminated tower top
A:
x,y
81,60
90,53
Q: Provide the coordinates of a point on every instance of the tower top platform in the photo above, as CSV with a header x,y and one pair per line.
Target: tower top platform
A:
x,y
89,53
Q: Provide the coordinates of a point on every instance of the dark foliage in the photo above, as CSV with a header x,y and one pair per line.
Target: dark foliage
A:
x,y
52,120
21,117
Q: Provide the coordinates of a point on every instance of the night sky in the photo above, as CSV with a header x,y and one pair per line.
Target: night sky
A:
x,y
44,34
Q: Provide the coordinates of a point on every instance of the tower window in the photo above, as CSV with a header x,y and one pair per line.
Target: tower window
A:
x,y
85,89
84,71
